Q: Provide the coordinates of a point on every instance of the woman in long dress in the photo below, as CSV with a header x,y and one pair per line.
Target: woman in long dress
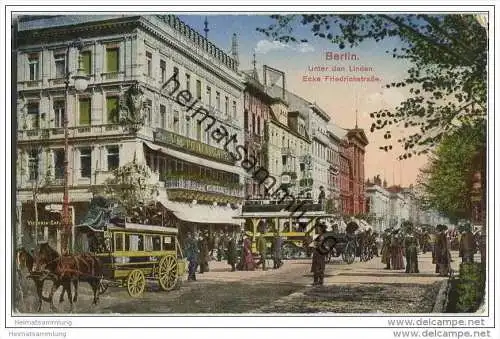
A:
x,y
441,252
248,262
397,260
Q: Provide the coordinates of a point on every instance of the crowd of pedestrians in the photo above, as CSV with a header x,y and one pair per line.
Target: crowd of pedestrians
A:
x,y
236,248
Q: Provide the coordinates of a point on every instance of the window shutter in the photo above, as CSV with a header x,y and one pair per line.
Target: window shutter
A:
x,y
84,111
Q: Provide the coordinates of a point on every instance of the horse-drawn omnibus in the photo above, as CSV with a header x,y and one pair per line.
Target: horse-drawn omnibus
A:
x,y
134,253
131,252
293,222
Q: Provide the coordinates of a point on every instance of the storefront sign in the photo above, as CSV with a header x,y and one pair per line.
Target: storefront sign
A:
x,y
194,146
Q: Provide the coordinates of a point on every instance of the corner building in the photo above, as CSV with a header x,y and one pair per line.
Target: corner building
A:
x,y
200,184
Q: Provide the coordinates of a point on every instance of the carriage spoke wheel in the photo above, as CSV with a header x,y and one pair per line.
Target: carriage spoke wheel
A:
x,y
167,273
136,282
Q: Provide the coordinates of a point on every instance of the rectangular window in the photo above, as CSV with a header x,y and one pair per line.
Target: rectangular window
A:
x,y
209,96
33,165
134,242
113,157
148,243
198,89
226,106
59,108
112,110
217,100
176,73
85,162
59,163
34,114
147,111
85,111
156,243
34,67
198,130
112,60
176,122
234,109
86,62
188,82
163,68
169,243
163,110
60,61
188,128
149,62
119,242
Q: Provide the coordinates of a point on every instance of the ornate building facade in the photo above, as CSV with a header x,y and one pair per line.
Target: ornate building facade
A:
x,y
200,182
256,114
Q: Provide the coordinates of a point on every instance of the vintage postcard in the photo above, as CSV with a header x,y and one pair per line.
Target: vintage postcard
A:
x,y
179,163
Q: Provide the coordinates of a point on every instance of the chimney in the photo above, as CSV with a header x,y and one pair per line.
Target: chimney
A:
x,y
234,49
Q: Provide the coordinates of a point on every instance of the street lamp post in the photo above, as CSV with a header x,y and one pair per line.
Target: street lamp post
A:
x,y
80,83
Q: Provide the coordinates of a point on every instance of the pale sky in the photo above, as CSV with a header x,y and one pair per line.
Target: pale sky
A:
x,y
340,100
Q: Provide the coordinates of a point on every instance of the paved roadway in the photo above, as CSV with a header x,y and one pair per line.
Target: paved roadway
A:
x,y
360,287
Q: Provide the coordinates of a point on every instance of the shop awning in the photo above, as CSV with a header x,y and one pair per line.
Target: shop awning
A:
x,y
194,159
202,214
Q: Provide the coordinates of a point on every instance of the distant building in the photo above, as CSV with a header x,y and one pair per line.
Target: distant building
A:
x,y
378,204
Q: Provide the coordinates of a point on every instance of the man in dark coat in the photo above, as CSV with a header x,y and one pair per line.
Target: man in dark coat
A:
x,y
204,253
411,249
191,251
441,252
231,252
318,259
278,243
386,248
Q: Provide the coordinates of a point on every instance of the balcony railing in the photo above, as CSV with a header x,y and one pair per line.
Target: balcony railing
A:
x,y
287,151
193,185
73,132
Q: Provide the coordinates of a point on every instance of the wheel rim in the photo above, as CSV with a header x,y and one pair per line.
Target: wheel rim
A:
x,y
167,273
136,283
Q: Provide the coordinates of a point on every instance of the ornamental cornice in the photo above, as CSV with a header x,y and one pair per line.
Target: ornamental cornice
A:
x,y
187,51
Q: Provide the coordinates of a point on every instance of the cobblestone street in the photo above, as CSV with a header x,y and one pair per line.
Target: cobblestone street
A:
x,y
357,288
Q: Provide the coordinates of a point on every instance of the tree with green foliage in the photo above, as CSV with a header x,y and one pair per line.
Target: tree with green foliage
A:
x,y
131,186
445,184
447,56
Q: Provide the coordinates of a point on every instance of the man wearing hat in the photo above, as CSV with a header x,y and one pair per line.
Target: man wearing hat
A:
x,y
318,259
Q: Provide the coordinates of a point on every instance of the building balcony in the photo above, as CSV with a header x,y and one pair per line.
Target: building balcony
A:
x,y
287,151
253,138
192,146
291,174
306,182
29,84
73,132
198,185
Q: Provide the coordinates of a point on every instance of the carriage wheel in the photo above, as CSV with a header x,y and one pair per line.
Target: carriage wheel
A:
x,y
103,286
349,254
167,273
136,282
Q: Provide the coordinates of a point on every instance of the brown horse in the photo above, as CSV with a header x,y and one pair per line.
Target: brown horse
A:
x,y
67,269
26,262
